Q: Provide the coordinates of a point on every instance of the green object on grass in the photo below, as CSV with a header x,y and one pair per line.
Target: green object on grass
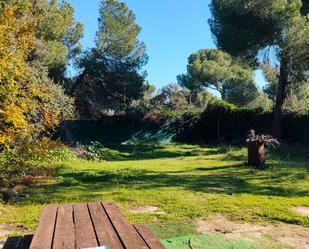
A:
x,y
214,241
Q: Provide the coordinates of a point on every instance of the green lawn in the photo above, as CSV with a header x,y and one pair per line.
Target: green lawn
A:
x,y
185,181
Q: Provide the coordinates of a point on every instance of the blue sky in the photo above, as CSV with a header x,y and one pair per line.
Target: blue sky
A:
x,y
171,29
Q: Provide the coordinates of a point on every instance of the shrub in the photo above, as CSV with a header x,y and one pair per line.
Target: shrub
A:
x,y
28,162
46,150
94,152
220,107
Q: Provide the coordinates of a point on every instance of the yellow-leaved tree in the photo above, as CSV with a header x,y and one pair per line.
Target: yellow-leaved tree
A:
x,y
20,92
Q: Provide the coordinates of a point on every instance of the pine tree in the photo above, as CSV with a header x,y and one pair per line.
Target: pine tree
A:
x,y
111,76
249,27
217,70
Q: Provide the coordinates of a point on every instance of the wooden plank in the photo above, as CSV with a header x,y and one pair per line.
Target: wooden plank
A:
x,y
64,232
106,233
43,235
13,242
84,231
148,237
128,235
25,244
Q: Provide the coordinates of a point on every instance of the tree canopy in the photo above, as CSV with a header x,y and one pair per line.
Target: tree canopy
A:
x,y
39,39
298,92
58,36
215,69
246,28
30,103
111,76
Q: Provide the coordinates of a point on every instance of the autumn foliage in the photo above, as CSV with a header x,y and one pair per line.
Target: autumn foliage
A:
x,y
20,92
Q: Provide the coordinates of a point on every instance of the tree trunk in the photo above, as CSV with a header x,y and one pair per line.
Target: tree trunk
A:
x,y
77,82
282,95
256,154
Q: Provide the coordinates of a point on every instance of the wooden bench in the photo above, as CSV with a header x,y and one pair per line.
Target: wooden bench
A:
x,y
87,225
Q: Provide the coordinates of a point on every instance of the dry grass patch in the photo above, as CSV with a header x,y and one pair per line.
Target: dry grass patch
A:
x,y
292,235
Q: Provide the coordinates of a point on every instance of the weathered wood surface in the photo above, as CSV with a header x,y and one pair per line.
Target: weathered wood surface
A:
x,y
85,225
43,237
64,235
129,237
148,236
106,233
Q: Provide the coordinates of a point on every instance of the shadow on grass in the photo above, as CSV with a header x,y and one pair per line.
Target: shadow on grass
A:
x,y
216,168
230,180
116,152
295,153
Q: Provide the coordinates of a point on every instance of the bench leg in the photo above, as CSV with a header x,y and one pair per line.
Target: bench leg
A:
x,y
18,242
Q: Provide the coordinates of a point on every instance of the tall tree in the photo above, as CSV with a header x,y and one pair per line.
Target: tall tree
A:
x,y
298,93
58,36
247,27
111,76
215,69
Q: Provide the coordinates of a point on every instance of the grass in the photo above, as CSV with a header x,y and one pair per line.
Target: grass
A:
x,y
184,181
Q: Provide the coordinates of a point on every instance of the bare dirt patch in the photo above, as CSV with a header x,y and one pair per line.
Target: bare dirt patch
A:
x,y
144,209
304,210
6,229
292,235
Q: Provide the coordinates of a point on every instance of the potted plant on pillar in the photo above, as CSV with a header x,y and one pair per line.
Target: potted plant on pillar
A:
x,y
256,145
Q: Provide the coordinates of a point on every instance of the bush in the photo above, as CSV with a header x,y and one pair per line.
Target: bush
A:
x,y
46,150
94,152
28,162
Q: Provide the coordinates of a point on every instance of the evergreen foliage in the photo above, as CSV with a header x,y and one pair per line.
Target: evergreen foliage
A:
x,y
57,36
215,69
298,93
245,28
111,77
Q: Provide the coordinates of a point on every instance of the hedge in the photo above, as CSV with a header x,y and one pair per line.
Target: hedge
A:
x,y
233,126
